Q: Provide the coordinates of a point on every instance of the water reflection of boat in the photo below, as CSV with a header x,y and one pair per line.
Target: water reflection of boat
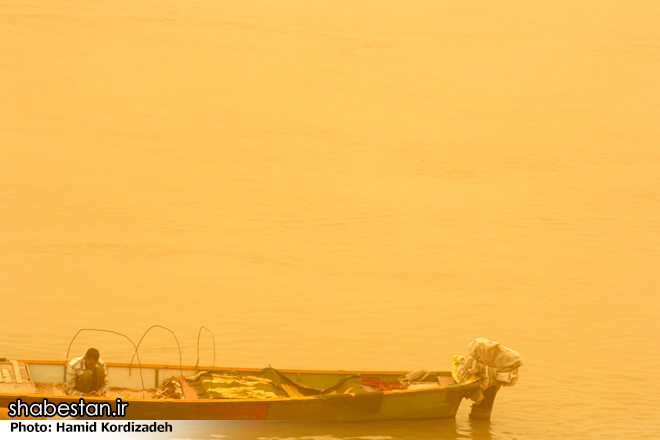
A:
x,y
250,394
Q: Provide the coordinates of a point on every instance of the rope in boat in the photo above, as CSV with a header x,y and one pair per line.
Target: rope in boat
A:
x,y
116,333
145,334
199,334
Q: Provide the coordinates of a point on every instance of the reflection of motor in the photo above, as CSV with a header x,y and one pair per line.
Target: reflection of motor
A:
x,y
169,389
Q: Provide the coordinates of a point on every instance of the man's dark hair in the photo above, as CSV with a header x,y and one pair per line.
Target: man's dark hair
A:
x,y
93,354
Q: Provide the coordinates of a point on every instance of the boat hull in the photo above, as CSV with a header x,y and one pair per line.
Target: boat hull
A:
x,y
395,406
425,403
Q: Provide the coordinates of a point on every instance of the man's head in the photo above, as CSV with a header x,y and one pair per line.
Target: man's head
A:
x,y
92,358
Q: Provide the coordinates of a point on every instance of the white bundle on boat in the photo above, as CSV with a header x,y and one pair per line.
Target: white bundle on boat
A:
x,y
169,389
412,378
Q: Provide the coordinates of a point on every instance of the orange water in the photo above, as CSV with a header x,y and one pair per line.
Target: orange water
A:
x,y
343,185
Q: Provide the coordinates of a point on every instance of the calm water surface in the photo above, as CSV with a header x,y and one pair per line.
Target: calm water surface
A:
x,y
343,185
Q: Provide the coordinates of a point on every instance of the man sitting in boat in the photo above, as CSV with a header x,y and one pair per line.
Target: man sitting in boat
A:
x,y
87,375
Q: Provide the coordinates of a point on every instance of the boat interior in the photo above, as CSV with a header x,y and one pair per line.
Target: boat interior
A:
x,y
151,381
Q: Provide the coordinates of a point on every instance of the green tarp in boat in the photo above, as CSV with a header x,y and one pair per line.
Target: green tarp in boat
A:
x,y
270,383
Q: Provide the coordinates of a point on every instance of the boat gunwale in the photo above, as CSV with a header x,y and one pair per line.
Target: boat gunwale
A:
x,y
237,369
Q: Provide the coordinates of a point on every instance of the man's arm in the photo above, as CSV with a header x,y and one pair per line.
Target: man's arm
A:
x,y
70,385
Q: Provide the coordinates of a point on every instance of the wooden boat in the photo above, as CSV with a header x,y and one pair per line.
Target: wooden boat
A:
x,y
438,396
